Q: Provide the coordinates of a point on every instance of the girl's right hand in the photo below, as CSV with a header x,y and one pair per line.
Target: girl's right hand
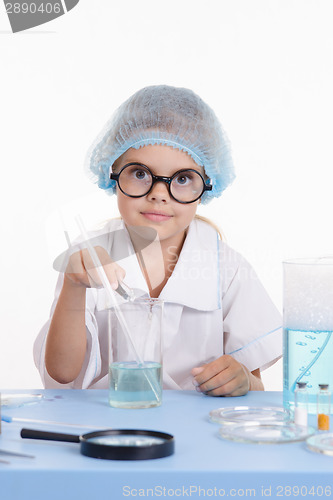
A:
x,y
81,271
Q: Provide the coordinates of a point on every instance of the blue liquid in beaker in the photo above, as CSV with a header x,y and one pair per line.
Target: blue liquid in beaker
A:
x,y
307,357
133,386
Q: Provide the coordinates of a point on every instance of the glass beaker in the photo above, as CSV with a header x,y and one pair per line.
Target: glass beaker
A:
x,y
135,375
308,326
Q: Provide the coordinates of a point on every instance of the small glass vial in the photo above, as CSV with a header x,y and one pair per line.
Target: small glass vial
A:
x,y
301,404
323,407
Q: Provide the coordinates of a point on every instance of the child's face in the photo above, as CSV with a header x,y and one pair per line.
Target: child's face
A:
x,y
158,209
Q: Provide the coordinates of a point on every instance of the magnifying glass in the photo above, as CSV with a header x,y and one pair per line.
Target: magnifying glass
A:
x,y
114,444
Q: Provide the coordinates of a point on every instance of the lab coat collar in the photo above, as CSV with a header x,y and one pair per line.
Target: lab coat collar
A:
x,y
195,279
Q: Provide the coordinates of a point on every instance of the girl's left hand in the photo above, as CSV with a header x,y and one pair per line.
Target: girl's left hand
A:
x,y
226,377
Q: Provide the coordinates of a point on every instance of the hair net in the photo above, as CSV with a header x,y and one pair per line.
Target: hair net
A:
x,y
166,115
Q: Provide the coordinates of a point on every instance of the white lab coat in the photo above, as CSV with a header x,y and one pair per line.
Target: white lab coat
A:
x,y
214,304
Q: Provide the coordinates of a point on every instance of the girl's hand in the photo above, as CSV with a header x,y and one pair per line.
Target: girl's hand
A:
x,y
81,271
226,377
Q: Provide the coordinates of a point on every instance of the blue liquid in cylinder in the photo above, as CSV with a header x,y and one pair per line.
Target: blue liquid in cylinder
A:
x,y
135,386
307,357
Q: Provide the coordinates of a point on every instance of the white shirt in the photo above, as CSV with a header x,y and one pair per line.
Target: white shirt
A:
x,y
214,304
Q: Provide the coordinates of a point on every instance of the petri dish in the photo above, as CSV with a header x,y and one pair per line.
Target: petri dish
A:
x,y
15,400
266,433
241,414
321,443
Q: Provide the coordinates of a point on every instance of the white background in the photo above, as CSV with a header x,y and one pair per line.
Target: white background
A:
x,y
266,67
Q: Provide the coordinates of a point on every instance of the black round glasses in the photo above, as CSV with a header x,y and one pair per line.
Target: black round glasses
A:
x,y
136,180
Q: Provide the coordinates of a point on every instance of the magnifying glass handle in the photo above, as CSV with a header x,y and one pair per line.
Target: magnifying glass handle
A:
x,y
49,436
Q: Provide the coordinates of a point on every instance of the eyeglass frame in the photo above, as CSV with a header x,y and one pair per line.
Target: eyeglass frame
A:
x,y
160,178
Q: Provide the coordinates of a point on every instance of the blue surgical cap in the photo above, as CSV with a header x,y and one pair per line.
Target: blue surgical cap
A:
x,y
171,116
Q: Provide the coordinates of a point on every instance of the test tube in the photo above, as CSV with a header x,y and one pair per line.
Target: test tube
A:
x,y
301,404
323,407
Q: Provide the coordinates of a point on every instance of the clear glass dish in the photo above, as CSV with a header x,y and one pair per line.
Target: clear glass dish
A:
x,y
15,400
241,414
265,433
321,443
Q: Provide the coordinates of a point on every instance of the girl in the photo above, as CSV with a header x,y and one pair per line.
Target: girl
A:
x,y
163,153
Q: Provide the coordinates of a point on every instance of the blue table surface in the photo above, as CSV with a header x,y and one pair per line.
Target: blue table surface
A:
x,y
200,454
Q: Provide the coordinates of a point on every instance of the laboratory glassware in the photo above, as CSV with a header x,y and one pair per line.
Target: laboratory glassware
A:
x,y
308,326
133,384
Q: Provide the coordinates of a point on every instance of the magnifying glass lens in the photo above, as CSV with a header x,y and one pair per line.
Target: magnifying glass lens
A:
x,y
126,440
